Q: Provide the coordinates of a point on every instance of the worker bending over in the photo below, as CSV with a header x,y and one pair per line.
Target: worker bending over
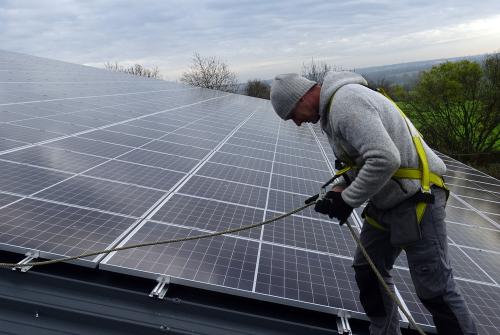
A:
x,y
400,176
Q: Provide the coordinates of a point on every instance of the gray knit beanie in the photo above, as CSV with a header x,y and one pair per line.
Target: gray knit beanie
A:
x,y
286,91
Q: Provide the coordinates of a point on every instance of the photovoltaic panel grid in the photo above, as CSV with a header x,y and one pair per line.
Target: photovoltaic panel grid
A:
x,y
91,159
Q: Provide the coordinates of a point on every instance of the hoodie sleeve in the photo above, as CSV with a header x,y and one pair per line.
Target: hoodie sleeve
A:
x,y
357,121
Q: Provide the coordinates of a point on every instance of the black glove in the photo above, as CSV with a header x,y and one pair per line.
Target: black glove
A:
x,y
334,206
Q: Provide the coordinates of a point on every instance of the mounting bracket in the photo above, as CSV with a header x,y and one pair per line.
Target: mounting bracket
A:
x,y
161,288
30,256
343,327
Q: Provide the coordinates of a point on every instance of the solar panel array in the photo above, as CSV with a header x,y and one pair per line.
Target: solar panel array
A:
x,y
91,159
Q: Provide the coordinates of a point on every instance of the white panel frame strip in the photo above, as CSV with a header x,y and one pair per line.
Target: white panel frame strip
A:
x,y
256,273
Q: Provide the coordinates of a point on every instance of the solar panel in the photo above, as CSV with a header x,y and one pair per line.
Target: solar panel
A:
x,y
301,172
89,146
102,194
456,212
402,280
465,267
295,185
208,215
54,158
145,128
59,230
312,278
247,151
52,126
310,234
6,199
487,260
241,161
223,261
91,159
26,180
10,144
116,138
282,201
486,206
25,134
136,174
236,174
159,159
260,137
298,161
484,304
177,149
474,237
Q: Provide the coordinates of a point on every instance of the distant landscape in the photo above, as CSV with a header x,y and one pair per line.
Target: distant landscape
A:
x,y
406,74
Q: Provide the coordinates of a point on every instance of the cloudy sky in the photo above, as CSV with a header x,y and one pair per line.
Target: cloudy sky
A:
x,y
257,38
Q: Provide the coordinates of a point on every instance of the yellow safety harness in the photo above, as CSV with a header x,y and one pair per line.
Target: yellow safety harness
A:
x,y
427,178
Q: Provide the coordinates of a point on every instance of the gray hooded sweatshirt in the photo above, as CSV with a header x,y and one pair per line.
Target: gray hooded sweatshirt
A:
x,y
365,128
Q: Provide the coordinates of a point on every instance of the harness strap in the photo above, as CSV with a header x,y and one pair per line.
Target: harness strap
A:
x,y
422,157
371,221
411,173
423,173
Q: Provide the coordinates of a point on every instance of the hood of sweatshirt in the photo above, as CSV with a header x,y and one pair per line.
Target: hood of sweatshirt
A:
x,y
332,82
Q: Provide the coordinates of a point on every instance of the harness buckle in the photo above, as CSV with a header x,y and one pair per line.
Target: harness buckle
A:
x,y
424,191
424,196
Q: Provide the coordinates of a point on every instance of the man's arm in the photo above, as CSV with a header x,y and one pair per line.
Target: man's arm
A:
x,y
357,121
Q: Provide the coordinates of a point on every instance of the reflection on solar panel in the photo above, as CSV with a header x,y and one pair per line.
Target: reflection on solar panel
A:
x,y
91,159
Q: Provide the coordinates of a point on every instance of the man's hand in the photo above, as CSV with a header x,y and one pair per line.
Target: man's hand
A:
x,y
334,206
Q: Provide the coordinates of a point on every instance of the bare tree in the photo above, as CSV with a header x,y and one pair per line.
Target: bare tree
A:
x,y
136,70
259,89
113,67
210,72
317,71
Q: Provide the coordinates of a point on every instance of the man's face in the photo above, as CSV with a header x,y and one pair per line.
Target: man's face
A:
x,y
304,112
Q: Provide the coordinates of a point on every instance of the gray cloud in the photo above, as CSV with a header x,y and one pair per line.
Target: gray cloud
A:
x,y
257,38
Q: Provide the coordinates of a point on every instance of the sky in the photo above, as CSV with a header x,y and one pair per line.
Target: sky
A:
x,y
257,39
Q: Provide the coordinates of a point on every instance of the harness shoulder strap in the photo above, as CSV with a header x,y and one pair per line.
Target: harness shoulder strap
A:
x,y
423,172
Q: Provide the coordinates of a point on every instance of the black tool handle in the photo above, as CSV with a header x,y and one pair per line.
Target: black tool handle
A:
x,y
311,199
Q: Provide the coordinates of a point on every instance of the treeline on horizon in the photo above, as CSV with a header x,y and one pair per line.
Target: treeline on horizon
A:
x,y
454,104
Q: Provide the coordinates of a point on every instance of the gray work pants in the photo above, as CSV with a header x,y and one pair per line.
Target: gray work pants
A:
x,y
430,272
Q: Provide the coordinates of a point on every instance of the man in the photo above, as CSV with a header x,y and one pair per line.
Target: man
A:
x,y
399,175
